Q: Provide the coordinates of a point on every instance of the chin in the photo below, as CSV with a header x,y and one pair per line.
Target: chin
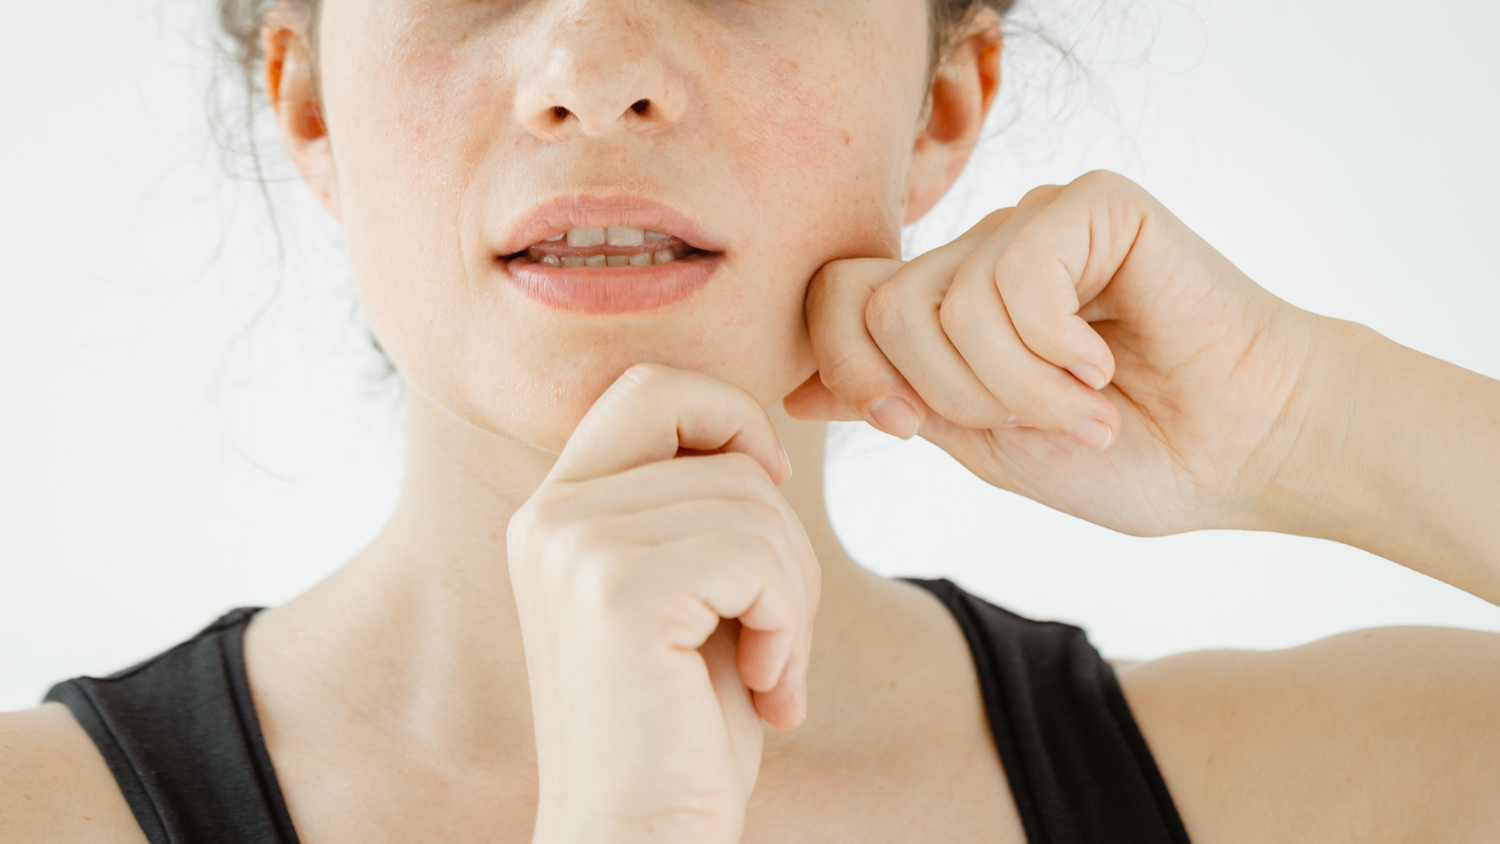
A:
x,y
540,401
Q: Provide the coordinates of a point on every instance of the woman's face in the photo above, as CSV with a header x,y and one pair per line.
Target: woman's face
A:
x,y
764,138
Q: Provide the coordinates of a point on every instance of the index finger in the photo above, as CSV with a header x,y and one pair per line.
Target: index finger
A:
x,y
651,411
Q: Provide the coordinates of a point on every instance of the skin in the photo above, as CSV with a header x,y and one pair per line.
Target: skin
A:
x,y
565,634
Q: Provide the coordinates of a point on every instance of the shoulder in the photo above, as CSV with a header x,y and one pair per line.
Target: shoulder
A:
x,y
1391,734
54,786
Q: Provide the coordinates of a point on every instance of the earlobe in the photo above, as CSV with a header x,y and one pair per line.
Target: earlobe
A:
x,y
291,87
962,92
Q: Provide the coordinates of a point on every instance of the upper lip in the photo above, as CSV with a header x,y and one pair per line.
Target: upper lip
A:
x,y
561,213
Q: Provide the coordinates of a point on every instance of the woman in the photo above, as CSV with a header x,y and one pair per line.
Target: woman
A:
x,y
602,576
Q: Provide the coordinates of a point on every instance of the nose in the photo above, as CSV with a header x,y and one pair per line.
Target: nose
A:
x,y
601,70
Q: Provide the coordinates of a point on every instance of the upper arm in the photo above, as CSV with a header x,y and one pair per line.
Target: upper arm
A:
x,y
54,786
1390,734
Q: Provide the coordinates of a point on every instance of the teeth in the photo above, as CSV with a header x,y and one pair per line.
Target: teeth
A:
x,y
585,236
624,236
643,259
614,236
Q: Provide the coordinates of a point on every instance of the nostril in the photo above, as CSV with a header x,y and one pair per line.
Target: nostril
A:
x,y
640,106
559,112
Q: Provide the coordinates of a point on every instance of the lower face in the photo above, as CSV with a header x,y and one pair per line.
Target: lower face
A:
x,y
780,141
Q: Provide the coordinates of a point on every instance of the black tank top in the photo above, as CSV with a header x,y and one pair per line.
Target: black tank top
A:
x,y
180,734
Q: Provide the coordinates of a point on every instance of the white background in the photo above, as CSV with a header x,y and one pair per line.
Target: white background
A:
x,y
155,471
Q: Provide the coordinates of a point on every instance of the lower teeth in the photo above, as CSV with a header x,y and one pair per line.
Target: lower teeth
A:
x,y
644,259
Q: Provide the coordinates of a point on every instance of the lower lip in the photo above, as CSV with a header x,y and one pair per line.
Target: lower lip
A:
x,y
612,290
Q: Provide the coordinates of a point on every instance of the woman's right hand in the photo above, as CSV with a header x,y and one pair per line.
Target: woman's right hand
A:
x,y
666,607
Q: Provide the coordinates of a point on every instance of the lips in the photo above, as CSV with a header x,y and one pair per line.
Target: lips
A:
x,y
592,255
557,216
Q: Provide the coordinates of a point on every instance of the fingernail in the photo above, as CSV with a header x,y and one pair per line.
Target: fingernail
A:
x,y
1014,421
1089,375
896,417
785,461
1091,433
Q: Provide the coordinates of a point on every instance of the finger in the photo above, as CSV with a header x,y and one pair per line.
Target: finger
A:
x,y
851,366
683,520
651,411
813,401
980,326
727,477
785,706
1061,257
904,318
740,576
727,487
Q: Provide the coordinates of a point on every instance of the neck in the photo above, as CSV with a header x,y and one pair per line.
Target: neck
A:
x,y
429,601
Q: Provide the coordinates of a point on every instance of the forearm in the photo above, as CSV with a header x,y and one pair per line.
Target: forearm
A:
x,y
1398,454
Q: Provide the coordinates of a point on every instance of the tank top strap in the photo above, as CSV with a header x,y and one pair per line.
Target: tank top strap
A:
x,y
180,734
1077,764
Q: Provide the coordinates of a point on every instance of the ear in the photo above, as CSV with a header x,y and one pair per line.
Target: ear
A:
x,y
292,87
963,89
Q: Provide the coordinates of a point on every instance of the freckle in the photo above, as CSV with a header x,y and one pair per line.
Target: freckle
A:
x,y
847,139
893,684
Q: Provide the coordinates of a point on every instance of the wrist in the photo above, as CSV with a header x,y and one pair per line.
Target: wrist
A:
x,y
1392,451
1310,482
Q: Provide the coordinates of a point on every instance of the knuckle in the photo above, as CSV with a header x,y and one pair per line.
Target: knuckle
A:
x,y
841,373
998,216
1040,195
644,377
886,312
1099,179
1106,182
830,275
522,524
973,409
529,528
957,314
831,279
596,576
1035,403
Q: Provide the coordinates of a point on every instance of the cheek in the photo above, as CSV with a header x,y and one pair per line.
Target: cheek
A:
x,y
803,150
828,133
408,130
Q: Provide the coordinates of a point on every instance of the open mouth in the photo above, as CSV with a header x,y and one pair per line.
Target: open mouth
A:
x,y
610,269
614,246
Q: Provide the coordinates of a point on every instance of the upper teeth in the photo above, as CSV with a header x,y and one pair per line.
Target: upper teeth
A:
x,y
614,236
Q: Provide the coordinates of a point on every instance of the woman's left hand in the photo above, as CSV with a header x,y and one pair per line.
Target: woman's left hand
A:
x,y
1084,349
